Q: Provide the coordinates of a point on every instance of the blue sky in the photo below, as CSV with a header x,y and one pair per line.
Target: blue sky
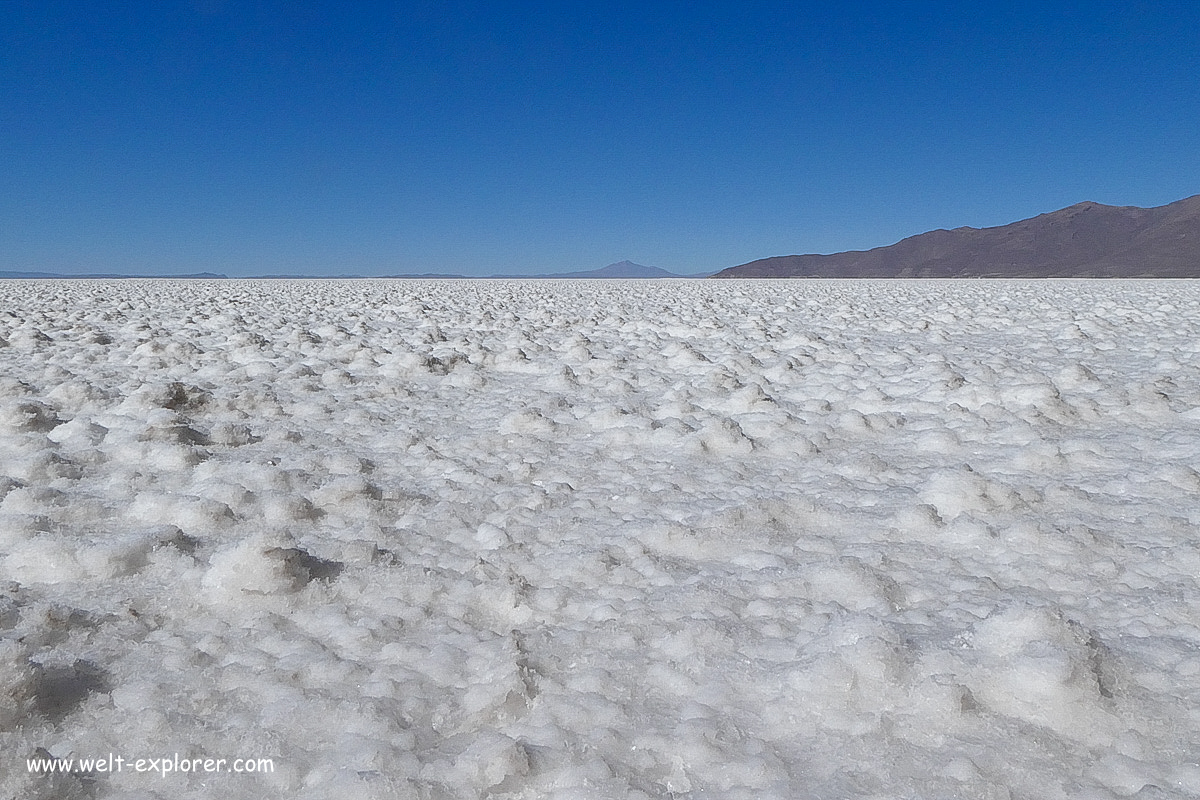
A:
x,y
375,138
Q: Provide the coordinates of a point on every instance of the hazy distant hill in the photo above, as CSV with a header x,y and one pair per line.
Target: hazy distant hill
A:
x,y
105,275
1087,240
621,269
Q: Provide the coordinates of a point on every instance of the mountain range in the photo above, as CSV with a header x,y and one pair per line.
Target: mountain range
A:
x,y
1086,240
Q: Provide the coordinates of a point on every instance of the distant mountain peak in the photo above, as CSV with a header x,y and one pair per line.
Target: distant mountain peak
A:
x,y
621,269
628,269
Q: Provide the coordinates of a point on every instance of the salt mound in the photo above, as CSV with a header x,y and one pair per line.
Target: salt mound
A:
x,y
1037,667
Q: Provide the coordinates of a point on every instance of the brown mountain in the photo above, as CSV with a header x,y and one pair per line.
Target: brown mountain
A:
x,y
1087,240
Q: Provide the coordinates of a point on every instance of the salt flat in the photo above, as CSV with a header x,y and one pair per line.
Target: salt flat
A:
x,y
602,539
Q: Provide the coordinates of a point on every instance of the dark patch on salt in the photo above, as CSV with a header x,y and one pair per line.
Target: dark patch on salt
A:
x,y
58,691
308,567
172,536
35,416
179,396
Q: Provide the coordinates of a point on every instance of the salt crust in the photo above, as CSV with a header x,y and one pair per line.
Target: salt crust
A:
x,y
608,540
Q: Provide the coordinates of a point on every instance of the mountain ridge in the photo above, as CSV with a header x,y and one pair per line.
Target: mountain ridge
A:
x,y
1084,240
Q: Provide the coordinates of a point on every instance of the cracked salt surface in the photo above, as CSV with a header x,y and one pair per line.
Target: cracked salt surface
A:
x,y
605,540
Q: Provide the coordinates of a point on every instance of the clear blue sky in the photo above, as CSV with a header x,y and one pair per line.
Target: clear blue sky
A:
x,y
308,137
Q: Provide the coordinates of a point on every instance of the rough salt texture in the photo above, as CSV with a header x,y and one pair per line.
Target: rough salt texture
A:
x,y
606,540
